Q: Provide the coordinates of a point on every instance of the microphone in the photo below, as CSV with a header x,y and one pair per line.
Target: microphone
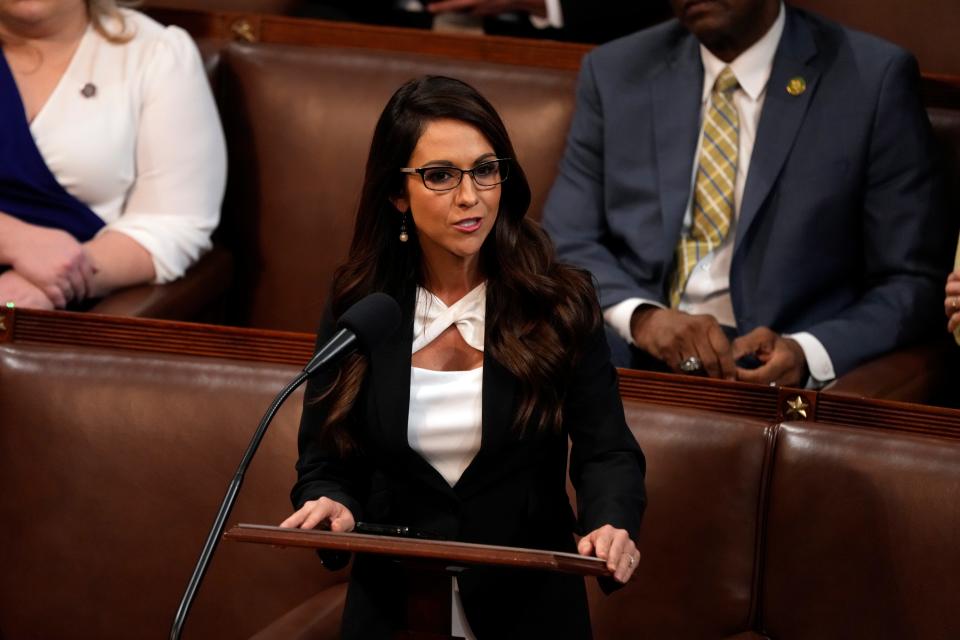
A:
x,y
365,325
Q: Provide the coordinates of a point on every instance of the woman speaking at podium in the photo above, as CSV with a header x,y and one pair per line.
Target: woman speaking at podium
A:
x,y
459,426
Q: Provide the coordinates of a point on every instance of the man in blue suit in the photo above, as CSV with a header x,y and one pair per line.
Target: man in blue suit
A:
x,y
754,189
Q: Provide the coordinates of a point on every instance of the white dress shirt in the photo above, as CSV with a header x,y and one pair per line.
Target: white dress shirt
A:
x,y
708,287
146,153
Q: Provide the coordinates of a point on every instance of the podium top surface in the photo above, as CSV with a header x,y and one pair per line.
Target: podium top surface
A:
x,y
443,551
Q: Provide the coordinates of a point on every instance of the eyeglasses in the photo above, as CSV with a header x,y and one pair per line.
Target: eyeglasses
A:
x,y
486,174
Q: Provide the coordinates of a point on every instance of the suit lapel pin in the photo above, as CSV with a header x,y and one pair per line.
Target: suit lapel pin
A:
x,y
796,86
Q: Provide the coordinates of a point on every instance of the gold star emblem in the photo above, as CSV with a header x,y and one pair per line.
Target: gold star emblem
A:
x,y
796,86
797,408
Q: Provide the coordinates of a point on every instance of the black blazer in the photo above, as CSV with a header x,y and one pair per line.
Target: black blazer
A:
x,y
513,492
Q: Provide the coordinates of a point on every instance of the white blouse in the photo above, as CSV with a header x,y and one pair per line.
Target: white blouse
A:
x,y
444,424
146,152
445,419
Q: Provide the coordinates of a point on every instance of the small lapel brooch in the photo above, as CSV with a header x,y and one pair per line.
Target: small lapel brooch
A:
x,y
796,86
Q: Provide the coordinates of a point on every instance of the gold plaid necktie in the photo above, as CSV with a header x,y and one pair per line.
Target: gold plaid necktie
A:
x,y
714,183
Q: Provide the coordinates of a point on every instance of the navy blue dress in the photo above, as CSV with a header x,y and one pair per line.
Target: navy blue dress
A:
x,y
28,189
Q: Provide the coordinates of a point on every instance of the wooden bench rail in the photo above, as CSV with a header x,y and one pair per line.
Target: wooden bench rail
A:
x,y
247,27
772,404
939,90
154,336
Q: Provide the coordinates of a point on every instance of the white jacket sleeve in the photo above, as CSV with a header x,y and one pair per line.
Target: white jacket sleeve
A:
x,y
174,204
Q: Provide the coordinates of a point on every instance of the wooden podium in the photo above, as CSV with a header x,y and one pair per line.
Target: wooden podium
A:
x,y
430,564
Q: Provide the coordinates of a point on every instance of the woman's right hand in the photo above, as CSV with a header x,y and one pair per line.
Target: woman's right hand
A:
x,y
54,262
315,512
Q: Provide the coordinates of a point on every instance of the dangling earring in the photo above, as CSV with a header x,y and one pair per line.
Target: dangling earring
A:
x,y
404,236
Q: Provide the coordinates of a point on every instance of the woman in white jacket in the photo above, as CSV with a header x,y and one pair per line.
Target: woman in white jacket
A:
x,y
112,157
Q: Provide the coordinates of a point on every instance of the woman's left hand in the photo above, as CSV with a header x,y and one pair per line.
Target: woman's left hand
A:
x,y
17,290
614,546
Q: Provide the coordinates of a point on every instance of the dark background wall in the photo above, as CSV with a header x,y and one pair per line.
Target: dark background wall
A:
x,y
928,28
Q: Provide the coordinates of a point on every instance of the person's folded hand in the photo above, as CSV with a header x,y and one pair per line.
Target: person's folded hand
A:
x,y
782,359
16,289
951,304
54,262
676,337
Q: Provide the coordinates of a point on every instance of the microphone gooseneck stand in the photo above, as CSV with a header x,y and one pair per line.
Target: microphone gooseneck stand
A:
x,y
373,318
227,505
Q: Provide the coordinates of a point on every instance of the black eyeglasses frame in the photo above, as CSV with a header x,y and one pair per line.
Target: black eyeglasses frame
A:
x,y
421,171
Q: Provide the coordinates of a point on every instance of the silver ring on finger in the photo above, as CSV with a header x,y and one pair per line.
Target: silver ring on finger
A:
x,y
631,560
691,364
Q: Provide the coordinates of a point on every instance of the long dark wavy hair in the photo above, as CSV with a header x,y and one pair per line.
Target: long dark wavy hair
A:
x,y
539,312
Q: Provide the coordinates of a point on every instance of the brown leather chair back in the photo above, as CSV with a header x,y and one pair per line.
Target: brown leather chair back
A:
x,y
114,462
299,122
113,465
700,530
862,535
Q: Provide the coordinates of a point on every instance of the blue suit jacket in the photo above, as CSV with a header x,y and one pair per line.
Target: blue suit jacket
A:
x,y
840,226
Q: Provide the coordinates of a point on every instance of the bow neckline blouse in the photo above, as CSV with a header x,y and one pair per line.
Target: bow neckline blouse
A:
x,y
432,317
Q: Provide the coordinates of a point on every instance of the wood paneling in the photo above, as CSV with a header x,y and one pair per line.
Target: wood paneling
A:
x,y
155,336
255,345
941,83
295,31
928,28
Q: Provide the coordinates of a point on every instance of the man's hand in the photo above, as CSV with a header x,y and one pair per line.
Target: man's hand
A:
x,y
951,305
614,546
54,262
323,510
489,7
782,358
21,292
673,336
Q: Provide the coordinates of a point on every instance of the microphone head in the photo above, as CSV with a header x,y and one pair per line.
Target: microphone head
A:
x,y
373,319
